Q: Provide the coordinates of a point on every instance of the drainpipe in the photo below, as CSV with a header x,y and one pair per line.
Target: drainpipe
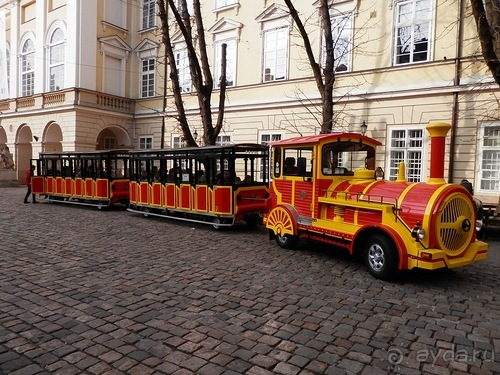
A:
x,y
456,83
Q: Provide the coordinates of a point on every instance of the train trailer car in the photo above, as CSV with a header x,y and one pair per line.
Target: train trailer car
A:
x,y
96,178
326,187
217,185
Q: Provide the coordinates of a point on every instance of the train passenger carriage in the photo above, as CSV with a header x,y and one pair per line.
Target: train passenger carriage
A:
x,y
328,188
96,178
217,185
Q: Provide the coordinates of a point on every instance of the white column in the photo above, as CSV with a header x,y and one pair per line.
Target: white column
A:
x,y
15,23
81,41
40,61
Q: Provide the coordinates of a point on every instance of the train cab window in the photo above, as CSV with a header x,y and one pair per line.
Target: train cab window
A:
x,y
343,158
298,162
277,162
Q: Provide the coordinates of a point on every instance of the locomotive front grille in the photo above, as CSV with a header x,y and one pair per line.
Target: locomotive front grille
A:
x,y
455,223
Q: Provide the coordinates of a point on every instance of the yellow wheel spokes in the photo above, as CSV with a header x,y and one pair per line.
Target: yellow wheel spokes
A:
x,y
280,221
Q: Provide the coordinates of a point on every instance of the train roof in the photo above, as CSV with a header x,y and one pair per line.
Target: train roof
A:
x,y
238,147
94,154
330,137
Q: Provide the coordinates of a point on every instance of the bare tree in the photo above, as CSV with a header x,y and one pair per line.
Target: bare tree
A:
x,y
199,67
487,16
326,79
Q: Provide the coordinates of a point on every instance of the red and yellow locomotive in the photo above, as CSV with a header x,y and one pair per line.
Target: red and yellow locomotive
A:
x,y
326,187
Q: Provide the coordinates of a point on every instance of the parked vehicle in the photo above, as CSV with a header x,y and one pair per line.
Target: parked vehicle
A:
x,y
325,187
97,178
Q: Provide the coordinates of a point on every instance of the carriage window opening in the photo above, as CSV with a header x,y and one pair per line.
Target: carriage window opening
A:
x,y
143,170
78,168
58,167
297,162
244,168
169,165
224,175
186,170
125,168
200,176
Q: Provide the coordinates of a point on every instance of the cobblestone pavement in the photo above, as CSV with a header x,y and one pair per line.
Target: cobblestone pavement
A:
x,y
84,291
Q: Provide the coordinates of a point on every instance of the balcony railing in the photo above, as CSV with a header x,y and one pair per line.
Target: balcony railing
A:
x,y
69,97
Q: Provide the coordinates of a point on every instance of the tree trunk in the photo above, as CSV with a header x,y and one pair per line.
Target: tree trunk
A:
x,y
488,31
325,87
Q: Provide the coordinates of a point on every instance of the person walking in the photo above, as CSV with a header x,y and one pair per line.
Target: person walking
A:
x,y
29,176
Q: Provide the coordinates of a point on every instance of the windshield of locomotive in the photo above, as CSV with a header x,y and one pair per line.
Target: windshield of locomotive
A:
x,y
343,158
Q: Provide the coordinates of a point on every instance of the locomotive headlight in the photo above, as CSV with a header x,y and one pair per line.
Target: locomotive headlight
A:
x,y
417,232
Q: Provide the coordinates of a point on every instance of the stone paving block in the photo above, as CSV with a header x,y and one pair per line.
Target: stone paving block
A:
x,y
103,300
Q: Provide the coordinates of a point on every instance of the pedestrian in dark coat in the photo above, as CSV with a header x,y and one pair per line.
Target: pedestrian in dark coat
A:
x,y
29,176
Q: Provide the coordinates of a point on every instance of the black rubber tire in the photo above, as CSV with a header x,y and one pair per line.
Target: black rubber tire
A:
x,y
381,257
287,241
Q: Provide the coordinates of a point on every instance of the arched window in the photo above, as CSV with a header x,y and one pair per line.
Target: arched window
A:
x,y
28,68
56,60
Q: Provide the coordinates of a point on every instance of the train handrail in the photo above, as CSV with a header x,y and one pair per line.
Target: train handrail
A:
x,y
349,197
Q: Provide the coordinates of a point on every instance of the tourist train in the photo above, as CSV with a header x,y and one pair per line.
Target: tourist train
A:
x,y
325,187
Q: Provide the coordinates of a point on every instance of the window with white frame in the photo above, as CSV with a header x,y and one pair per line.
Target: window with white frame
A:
x,y
109,143
57,45
275,54
148,77
407,145
224,3
268,137
230,62
148,14
177,141
412,33
145,143
114,52
342,42
489,174
182,64
223,140
28,68
265,138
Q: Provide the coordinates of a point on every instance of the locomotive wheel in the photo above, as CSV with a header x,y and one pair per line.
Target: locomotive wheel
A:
x,y
381,257
287,241
282,224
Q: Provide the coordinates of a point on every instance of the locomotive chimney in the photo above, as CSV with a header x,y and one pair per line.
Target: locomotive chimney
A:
x,y
437,131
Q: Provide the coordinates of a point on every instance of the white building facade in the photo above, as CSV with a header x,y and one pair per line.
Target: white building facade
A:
x,y
89,74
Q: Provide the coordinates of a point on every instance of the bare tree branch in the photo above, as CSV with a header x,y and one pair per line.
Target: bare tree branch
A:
x,y
487,16
325,87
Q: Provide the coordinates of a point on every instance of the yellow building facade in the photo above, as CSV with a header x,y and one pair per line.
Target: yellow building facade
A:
x,y
89,74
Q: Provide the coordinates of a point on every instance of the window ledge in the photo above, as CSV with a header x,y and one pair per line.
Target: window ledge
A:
x,y
227,7
149,29
105,25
